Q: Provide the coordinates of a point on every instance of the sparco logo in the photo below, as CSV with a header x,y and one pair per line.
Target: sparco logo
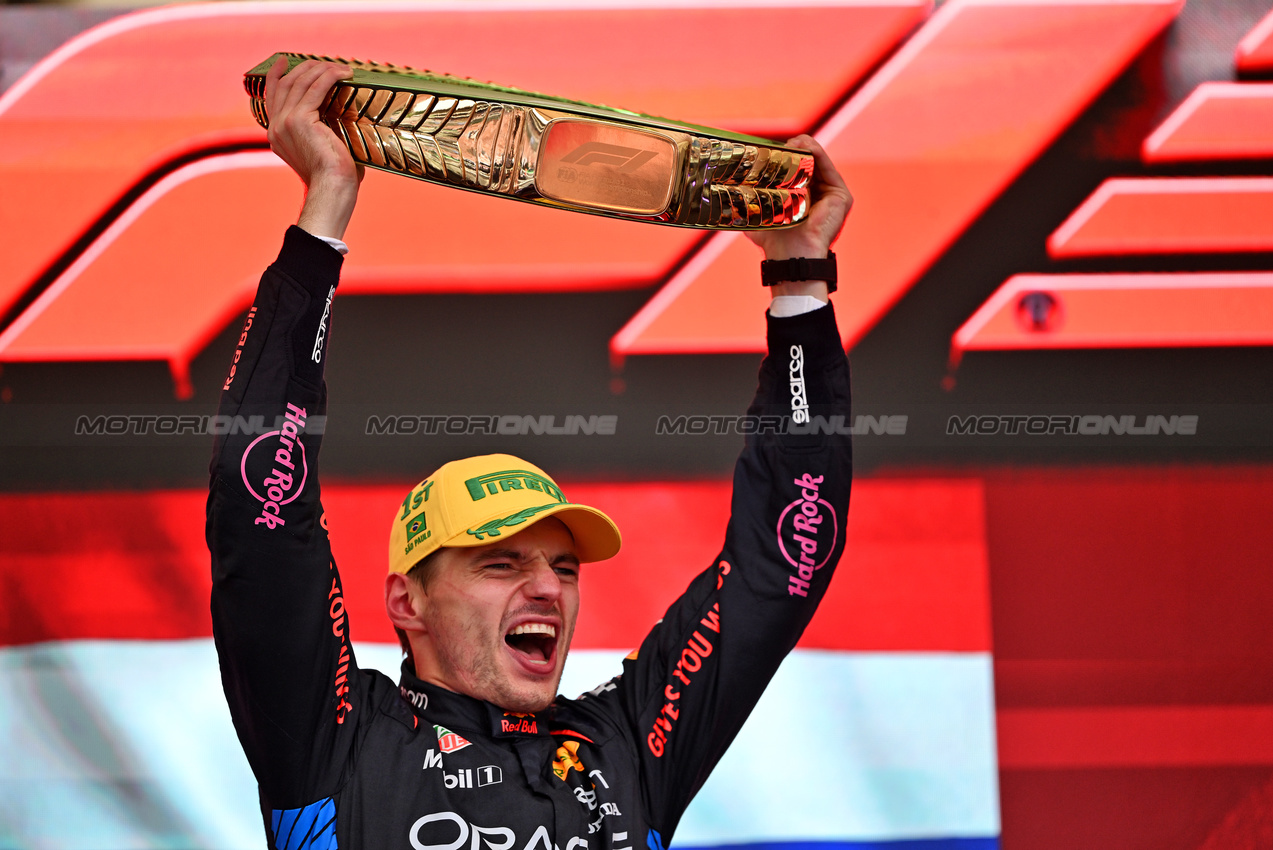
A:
x,y
594,153
283,455
322,327
807,531
799,398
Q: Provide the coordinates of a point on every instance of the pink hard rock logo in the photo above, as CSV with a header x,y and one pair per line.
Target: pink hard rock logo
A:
x,y
288,468
807,533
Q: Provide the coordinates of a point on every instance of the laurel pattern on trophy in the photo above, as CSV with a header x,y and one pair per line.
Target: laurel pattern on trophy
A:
x,y
463,142
557,152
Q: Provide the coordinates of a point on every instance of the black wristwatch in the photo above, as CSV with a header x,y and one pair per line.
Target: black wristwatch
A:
x,y
799,268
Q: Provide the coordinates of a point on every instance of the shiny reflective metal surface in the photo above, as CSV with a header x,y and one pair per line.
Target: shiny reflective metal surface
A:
x,y
557,152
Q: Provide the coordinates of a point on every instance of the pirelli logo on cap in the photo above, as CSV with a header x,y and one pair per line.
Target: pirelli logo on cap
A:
x,y
494,483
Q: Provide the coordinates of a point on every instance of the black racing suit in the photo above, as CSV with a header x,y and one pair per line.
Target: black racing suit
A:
x,y
346,758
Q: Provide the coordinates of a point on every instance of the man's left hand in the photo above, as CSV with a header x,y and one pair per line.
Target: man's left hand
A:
x,y
813,237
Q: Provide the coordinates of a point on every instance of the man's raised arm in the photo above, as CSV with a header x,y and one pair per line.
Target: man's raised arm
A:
x,y
686,692
277,606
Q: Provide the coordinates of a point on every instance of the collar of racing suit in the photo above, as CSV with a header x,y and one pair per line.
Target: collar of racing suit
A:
x,y
457,713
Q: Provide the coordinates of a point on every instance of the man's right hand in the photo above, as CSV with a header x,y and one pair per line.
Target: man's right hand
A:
x,y
309,146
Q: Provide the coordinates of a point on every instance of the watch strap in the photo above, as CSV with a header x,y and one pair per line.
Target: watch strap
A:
x,y
800,268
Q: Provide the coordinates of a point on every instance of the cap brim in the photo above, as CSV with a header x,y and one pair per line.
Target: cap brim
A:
x,y
596,536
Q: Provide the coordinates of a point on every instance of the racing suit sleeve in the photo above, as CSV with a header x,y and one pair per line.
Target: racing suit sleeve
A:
x,y
695,678
277,608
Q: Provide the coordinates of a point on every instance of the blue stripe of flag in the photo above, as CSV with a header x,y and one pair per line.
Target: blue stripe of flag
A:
x,y
905,844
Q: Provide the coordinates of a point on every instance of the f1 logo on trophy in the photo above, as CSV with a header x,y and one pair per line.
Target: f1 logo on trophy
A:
x,y
557,152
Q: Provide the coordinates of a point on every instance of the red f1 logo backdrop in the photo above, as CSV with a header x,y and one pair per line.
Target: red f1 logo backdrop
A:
x,y
930,116
139,203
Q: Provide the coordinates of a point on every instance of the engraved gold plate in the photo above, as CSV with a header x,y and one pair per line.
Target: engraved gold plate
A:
x,y
606,167
557,152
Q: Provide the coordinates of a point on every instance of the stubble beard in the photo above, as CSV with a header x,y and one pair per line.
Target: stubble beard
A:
x,y
474,663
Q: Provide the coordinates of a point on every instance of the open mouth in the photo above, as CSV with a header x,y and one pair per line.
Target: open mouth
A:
x,y
534,642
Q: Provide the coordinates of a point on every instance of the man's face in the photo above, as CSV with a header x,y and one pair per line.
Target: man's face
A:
x,y
499,618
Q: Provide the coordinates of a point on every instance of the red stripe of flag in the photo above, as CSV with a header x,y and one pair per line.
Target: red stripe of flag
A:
x,y
134,565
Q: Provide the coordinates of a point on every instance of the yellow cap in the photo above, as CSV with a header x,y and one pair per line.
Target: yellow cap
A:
x,y
477,500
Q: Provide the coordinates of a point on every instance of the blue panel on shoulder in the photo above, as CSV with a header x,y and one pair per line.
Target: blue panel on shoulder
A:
x,y
310,828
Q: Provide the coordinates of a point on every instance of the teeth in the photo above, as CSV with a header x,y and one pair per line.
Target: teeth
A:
x,y
535,629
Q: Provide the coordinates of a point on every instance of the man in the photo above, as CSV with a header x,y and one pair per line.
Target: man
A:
x,y
473,748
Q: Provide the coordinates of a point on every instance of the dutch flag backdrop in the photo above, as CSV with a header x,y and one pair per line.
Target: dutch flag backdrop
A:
x,y
878,731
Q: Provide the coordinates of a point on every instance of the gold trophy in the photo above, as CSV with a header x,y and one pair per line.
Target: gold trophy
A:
x,y
557,152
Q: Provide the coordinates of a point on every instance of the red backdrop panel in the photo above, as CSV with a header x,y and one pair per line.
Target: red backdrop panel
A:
x,y
915,578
